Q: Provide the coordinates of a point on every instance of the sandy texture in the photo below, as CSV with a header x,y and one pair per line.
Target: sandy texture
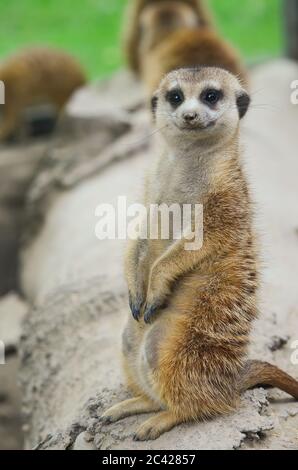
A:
x,y
18,165
69,350
11,436
12,313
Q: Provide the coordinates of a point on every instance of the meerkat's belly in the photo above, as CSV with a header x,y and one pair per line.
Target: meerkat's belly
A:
x,y
141,349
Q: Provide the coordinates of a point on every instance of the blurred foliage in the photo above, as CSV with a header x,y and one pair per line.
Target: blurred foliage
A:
x,y
91,29
254,26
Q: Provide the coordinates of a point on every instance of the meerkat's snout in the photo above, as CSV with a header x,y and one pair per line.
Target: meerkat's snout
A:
x,y
190,117
197,113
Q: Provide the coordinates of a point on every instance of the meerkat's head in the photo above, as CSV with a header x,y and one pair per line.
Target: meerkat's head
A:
x,y
199,104
160,19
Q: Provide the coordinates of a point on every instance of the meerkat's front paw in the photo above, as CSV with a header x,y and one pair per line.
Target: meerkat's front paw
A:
x,y
136,303
157,295
156,300
151,310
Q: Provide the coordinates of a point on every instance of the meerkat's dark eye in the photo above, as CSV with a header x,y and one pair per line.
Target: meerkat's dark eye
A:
x,y
211,96
175,97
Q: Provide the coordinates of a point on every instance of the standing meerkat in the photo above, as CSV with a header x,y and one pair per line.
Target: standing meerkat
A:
x,y
171,34
185,344
33,77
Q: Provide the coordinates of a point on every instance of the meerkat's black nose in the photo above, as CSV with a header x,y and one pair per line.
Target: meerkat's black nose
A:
x,y
190,117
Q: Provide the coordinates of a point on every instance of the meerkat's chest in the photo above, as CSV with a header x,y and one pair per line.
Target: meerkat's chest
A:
x,y
174,184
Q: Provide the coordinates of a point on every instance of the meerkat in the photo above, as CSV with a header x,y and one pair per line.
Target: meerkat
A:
x,y
187,48
185,344
172,34
33,77
150,21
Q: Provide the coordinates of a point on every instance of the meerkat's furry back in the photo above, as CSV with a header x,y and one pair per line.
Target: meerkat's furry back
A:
x,y
133,28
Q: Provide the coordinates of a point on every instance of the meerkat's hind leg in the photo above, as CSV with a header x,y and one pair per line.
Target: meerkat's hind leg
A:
x,y
156,426
130,407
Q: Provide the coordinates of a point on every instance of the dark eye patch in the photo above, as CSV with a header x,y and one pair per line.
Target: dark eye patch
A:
x,y
211,96
175,97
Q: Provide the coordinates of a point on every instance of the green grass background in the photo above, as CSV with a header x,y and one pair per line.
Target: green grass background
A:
x,y
91,29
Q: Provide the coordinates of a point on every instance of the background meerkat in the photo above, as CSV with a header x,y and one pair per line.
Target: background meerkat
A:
x,y
186,356
33,77
169,14
170,34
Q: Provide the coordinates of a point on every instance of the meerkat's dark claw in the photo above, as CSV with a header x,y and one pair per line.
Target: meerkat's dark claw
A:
x,y
136,313
135,307
150,311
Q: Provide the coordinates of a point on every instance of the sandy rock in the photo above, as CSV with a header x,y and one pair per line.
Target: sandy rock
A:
x,y
18,165
12,312
11,436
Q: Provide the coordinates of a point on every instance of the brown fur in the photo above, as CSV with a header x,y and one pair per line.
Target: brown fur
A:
x,y
133,31
186,357
188,48
37,76
263,373
169,34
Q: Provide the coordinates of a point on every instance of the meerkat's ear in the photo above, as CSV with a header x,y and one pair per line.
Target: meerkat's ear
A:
x,y
154,101
243,102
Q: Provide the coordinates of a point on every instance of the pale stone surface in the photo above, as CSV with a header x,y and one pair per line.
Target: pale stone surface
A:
x,y
11,436
12,312
70,364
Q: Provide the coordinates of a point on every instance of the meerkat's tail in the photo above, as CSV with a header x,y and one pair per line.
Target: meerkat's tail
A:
x,y
262,373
